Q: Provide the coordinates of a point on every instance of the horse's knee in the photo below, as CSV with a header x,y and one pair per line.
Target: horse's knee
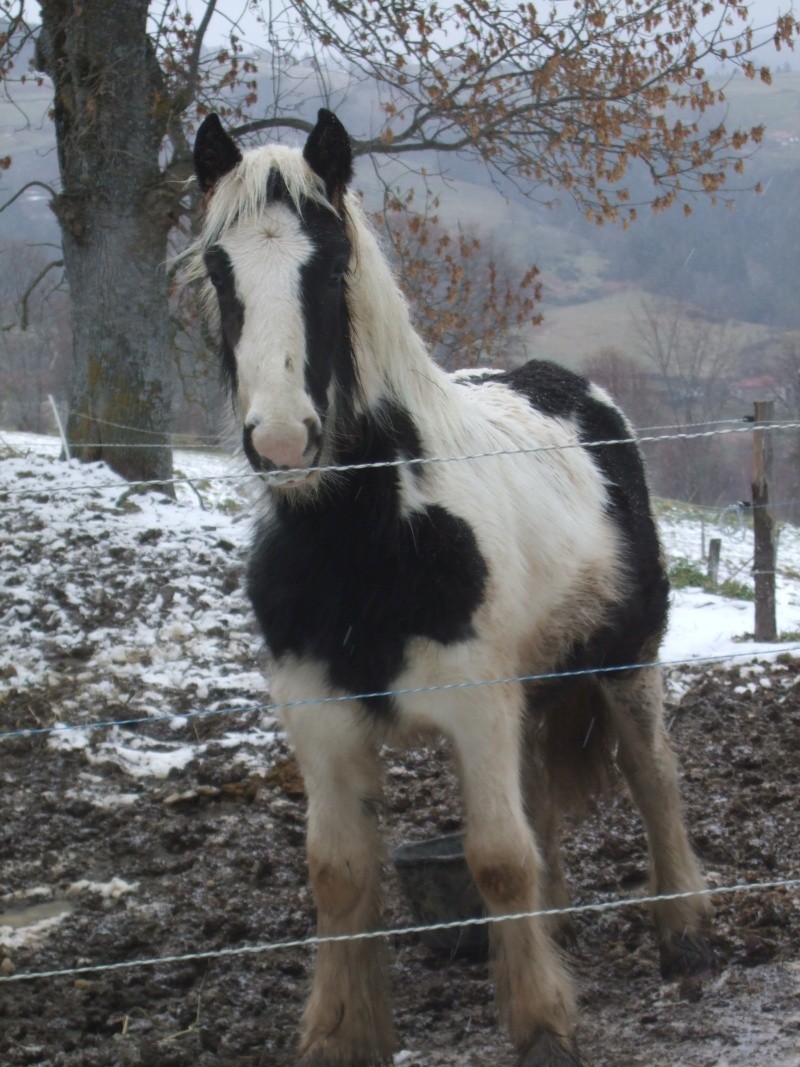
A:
x,y
339,885
502,881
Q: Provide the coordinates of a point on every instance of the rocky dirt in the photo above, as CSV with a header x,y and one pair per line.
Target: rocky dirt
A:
x,y
211,857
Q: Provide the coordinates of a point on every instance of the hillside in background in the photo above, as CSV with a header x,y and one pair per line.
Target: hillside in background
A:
x,y
732,262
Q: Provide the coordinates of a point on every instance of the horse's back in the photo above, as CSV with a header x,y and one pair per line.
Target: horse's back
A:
x,y
593,427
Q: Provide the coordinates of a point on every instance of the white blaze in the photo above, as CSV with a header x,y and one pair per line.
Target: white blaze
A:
x,y
270,357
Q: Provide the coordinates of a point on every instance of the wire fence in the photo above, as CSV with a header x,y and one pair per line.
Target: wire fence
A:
x,y
216,437
318,701
597,906
275,477
401,931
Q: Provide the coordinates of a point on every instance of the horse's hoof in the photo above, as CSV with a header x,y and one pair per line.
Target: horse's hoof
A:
x,y
687,954
549,1050
322,1059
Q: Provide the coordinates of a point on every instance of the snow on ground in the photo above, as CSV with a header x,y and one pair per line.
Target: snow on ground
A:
x,y
704,624
123,605
118,604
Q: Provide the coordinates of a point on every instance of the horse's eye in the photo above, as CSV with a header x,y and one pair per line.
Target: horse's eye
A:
x,y
338,273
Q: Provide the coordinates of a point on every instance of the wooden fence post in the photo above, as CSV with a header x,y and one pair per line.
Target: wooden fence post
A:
x,y
763,526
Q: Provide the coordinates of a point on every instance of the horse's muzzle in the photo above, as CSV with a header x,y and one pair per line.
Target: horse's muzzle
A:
x,y
298,451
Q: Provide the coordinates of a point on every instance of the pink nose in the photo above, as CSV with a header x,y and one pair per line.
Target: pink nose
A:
x,y
284,448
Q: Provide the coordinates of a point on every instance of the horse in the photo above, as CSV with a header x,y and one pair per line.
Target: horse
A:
x,y
377,571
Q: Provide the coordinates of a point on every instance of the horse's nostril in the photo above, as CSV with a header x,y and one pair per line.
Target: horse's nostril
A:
x,y
256,460
314,435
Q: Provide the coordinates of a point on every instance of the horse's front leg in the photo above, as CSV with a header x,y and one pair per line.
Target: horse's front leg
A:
x,y
533,989
347,1020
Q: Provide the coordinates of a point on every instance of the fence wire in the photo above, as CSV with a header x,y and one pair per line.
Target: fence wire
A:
x,y
215,437
400,931
62,728
413,461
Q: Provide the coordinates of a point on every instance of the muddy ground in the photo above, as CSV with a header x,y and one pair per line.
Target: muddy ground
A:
x,y
211,857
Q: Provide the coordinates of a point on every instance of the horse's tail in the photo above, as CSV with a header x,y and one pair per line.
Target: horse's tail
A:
x,y
572,744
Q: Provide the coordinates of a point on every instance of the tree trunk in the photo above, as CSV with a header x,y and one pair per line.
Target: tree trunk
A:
x,y
115,213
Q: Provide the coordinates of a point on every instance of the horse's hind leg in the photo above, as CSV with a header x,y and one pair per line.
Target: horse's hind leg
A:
x,y
645,756
347,1021
568,758
533,989
544,815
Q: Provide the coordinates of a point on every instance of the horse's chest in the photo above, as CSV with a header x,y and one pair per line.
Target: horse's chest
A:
x,y
349,588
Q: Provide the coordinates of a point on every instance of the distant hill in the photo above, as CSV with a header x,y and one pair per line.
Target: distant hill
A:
x,y
738,263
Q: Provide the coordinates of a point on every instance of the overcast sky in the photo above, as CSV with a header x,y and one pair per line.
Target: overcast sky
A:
x,y
763,12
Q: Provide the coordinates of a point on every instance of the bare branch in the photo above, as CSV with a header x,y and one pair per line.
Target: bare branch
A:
x,y
573,101
284,122
26,296
192,67
25,187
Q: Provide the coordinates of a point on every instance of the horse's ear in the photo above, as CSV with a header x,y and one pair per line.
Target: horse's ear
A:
x,y
329,155
215,153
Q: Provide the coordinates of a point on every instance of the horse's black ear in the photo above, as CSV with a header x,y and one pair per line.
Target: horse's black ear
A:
x,y
215,153
329,155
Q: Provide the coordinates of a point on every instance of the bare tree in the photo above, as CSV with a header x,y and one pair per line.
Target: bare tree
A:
x,y
692,361
628,383
692,356
571,101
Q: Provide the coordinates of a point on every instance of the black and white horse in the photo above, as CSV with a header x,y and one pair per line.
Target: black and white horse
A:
x,y
403,576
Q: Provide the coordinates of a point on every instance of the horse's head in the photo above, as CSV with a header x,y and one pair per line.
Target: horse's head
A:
x,y
276,251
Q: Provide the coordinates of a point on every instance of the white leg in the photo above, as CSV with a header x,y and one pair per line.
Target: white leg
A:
x,y
347,1020
533,989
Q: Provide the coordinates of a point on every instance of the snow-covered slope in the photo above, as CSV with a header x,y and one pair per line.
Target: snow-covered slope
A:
x,y
122,605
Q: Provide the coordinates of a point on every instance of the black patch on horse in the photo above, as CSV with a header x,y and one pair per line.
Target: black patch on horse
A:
x,y
329,353
231,310
347,579
642,613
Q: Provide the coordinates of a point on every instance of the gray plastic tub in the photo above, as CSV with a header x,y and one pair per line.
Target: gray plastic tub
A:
x,y
440,889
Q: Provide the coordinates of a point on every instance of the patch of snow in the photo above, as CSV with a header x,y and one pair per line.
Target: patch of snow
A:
x,y
35,933
113,890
